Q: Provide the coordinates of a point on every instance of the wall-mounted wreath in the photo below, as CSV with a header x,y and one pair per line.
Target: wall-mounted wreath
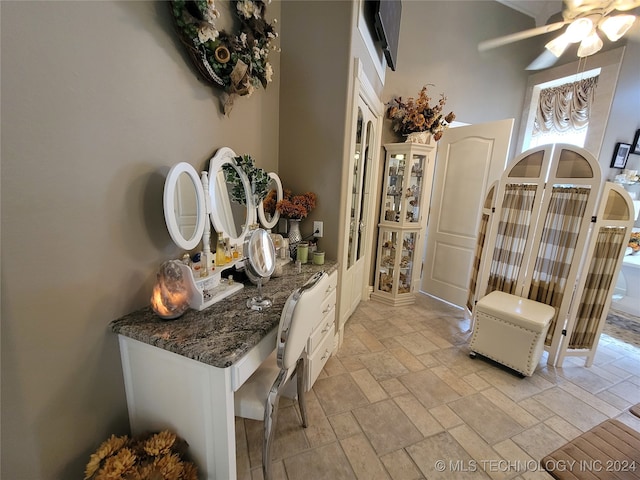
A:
x,y
237,62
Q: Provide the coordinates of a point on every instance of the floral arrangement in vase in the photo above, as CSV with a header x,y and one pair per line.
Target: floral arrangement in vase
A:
x,y
152,456
296,207
417,115
237,62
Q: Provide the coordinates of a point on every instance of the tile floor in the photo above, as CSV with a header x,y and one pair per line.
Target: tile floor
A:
x,y
402,400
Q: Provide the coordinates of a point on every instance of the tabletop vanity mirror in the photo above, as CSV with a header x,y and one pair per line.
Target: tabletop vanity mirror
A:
x,y
192,203
260,255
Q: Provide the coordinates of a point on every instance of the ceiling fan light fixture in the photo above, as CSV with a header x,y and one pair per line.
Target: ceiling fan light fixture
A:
x,y
590,45
579,29
616,26
558,45
625,5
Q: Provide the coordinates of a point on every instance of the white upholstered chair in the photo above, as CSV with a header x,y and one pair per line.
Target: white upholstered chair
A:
x,y
258,397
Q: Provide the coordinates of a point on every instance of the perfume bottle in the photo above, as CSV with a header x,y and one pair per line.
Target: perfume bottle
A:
x,y
220,254
227,250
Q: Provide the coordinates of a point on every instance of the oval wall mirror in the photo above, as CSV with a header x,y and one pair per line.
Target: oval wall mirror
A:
x,y
184,206
227,215
269,219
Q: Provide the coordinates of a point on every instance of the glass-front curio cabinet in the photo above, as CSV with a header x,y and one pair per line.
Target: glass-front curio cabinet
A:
x,y
404,208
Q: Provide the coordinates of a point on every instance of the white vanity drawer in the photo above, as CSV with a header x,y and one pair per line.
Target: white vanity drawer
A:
x,y
244,368
319,358
327,323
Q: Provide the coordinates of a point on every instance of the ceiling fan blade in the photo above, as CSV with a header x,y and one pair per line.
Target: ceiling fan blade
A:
x,y
545,60
514,37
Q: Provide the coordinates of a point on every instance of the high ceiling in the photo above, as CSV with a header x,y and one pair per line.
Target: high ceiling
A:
x,y
540,10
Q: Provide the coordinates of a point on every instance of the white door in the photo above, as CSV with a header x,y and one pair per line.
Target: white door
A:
x,y
468,160
358,210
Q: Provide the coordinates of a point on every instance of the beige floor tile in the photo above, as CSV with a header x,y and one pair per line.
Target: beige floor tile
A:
x,y
318,431
428,388
367,383
363,459
351,363
445,416
476,381
452,378
407,359
370,341
586,378
486,458
334,366
539,441
419,416
338,394
627,390
416,344
571,408
383,365
400,466
344,425
483,416
511,408
323,463
393,387
441,457
386,426
590,399
564,428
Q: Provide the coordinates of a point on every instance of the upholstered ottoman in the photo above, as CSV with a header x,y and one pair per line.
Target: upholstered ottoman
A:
x,y
511,330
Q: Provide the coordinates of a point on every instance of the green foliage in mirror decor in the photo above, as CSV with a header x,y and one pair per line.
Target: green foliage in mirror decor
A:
x,y
258,179
237,62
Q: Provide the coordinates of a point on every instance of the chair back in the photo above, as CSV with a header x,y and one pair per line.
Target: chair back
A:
x,y
297,319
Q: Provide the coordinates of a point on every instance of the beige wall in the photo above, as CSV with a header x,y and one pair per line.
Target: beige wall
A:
x,y
98,101
314,106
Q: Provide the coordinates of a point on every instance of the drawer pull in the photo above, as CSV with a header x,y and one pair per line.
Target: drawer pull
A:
x,y
327,326
329,289
327,309
325,355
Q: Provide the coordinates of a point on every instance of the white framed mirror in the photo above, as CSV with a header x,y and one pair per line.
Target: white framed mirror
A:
x,y
228,216
184,204
270,220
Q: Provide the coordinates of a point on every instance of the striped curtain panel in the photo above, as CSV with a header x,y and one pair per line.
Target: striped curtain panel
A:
x,y
557,247
511,237
596,290
475,267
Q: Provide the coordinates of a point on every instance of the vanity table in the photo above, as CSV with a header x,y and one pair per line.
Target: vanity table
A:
x,y
182,374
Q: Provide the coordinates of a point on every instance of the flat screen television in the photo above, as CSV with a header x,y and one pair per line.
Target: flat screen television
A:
x,y
386,18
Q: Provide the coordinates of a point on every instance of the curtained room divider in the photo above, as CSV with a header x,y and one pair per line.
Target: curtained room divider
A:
x,y
550,232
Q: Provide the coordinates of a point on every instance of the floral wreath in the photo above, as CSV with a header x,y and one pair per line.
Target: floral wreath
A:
x,y
238,63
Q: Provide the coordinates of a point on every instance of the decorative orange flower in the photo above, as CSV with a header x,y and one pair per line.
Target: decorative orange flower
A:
x,y
296,206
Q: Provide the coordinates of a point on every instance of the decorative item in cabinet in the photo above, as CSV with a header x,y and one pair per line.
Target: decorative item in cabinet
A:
x,y
395,270
406,167
403,216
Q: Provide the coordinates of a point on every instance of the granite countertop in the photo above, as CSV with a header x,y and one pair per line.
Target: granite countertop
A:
x,y
223,333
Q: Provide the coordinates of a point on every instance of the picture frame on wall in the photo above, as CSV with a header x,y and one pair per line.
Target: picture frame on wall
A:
x,y
635,147
620,155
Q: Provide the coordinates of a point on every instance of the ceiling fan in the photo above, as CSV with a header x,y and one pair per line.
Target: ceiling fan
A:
x,y
583,19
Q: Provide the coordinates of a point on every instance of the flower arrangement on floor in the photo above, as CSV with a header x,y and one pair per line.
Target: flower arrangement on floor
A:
x,y
258,179
158,456
296,207
237,62
419,115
